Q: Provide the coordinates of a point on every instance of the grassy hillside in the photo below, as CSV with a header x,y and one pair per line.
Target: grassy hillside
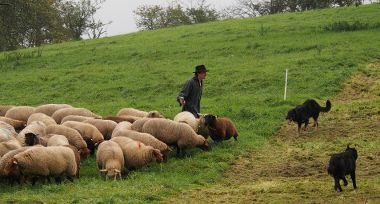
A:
x,y
247,60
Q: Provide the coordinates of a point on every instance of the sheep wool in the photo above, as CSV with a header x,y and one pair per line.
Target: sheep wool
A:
x,y
106,127
57,140
138,124
56,161
20,112
36,127
4,109
77,118
49,109
110,159
8,146
61,113
175,133
7,132
17,124
138,113
87,131
47,120
121,127
136,154
6,164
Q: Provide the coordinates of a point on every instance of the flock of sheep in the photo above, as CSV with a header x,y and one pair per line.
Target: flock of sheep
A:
x,y
49,141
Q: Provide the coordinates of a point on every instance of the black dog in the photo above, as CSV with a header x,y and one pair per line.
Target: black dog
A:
x,y
302,113
341,165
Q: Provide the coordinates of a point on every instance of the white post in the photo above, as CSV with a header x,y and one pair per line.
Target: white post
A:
x,y
286,83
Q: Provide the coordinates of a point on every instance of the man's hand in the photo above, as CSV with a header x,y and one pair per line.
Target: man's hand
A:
x,y
182,101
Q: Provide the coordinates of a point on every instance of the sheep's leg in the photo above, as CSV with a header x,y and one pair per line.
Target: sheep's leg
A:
x,y
58,180
178,151
70,178
353,178
337,185
235,137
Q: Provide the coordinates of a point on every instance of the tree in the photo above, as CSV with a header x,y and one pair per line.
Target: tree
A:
x,y
149,17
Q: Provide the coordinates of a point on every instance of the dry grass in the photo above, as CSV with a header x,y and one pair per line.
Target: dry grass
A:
x,y
291,168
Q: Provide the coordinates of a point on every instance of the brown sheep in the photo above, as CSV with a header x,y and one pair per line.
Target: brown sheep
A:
x,y
138,124
7,132
47,120
17,124
4,109
122,118
106,127
20,112
139,113
220,128
77,118
61,113
49,109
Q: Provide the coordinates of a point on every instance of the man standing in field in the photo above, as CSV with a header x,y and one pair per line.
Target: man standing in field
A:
x,y
190,95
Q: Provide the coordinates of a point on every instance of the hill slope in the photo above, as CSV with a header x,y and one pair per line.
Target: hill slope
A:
x,y
247,59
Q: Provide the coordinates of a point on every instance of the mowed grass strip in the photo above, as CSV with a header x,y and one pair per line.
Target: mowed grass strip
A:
x,y
247,61
292,168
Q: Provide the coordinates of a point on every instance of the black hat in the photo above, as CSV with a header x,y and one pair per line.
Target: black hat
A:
x,y
200,68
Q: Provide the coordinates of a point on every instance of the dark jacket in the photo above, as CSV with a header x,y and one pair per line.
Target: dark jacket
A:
x,y
192,92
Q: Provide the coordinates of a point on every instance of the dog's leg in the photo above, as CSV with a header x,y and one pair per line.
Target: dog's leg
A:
x,y
299,128
306,123
353,179
337,185
315,123
345,181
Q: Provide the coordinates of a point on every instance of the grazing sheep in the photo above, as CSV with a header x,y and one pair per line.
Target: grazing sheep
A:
x,y
139,113
56,161
120,127
110,159
197,124
106,127
36,127
174,133
77,157
220,128
61,113
90,133
4,109
116,119
57,140
6,170
8,146
138,124
20,113
342,164
147,139
49,109
17,124
47,120
77,118
72,136
7,132
136,154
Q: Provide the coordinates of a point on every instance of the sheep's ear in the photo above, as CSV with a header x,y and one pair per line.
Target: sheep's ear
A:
x,y
117,171
15,162
103,170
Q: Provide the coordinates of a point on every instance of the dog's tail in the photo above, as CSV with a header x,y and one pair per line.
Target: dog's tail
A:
x,y
327,108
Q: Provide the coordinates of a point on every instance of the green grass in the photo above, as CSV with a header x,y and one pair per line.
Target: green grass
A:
x,y
247,60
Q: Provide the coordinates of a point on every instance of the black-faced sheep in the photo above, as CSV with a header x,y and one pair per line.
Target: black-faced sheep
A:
x,y
61,113
17,124
36,127
174,133
139,113
110,159
342,164
20,113
72,135
57,162
90,133
198,124
147,139
106,127
220,128
49,109
136,154
47,120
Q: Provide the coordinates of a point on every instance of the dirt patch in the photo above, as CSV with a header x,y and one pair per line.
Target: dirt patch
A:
x,y
292,168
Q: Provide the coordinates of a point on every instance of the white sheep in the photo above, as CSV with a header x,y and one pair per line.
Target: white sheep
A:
x,y
136,154
61,113
47,120
56,161
8,146
72,135
139,113
77,118
147,139
174,133
49,109
20,112
106,127
17,124
4,109
138,124
120,127
198,124
57,140
110,159
7,132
